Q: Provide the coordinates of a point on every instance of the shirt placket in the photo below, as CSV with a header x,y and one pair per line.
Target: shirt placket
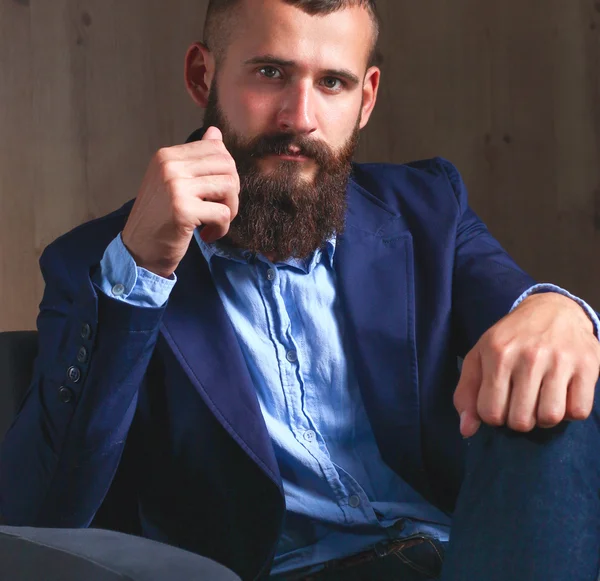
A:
x,y
349,499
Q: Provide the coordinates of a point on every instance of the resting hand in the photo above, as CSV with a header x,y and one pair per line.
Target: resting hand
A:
x,y
537,367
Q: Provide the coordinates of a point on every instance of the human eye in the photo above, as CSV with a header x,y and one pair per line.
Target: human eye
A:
x,y
333,84
269,72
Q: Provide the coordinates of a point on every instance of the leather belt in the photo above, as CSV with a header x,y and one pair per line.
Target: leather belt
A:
x,y
339,565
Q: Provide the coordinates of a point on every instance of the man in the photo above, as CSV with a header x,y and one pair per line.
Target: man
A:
x,y
256,361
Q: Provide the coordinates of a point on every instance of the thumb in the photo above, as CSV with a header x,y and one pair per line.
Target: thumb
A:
x,y
213,133
466,394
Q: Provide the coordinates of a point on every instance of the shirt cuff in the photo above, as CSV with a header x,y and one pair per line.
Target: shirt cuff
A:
x,y
121,279
552,288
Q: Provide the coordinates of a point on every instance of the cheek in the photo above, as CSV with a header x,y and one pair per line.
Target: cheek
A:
x,y
249,111
337,122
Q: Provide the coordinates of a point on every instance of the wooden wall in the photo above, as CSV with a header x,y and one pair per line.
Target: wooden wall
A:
x,y
509,91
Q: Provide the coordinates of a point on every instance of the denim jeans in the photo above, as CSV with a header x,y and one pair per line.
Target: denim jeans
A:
x,y
529,506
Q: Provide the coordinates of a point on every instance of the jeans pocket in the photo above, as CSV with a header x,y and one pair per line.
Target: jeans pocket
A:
x,y
425,557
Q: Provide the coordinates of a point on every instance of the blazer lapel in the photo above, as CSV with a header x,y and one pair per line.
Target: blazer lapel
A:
x,y
197,328
374,264
375,269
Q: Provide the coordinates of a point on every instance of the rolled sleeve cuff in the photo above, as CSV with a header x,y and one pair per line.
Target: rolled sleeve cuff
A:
x,y
121,279
552,288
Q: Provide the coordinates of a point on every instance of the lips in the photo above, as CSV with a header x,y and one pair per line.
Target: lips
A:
x,y
292,156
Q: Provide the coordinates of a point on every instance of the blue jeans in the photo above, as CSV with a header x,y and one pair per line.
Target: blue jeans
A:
x,y
529,506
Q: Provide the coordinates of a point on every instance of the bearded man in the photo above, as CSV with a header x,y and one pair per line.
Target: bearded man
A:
x,y
257,360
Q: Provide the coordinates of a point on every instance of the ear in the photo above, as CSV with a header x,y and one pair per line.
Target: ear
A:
x,y
370,89
199,72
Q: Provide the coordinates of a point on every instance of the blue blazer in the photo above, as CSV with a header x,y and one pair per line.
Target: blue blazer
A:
x,y
146,420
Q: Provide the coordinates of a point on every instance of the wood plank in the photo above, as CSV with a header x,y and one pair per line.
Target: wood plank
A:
x,y
508,91
18,268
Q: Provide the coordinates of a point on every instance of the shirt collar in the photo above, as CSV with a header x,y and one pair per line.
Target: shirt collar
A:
x,y
210,250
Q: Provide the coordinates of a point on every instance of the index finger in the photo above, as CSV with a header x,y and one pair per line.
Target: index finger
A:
x,y
492,403
195,149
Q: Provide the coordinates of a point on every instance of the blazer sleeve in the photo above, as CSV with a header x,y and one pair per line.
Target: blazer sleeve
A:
x,y
486,280
60,455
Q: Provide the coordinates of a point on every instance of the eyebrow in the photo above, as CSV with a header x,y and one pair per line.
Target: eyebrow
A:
x,y
269,59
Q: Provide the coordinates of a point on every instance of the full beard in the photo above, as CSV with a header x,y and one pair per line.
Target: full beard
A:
x,y
283,214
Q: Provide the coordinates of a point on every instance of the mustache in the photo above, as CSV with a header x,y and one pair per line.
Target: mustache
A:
x,y
286,144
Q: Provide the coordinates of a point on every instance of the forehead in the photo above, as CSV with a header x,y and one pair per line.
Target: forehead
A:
x,y
342,38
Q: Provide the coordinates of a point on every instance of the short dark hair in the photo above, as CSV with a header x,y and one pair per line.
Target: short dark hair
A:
x,y
217,31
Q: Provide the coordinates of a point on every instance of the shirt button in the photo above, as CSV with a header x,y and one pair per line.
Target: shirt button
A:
x,y
74,374
270,274
118,290
310,436
354,501
292,356
65,394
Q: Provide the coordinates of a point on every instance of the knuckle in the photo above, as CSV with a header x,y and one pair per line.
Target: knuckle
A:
x,y
166,171
521,424
224,213
589,360
533,353
498,351
230,181
560,358
496,420
580,413
162,155
551,417
493,343
493,417
175,188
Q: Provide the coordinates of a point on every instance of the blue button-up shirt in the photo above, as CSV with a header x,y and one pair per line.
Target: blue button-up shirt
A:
x,y
341,498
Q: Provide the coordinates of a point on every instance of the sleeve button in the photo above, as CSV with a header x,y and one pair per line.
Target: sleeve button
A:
x,y
82,355
65,394
74,374
86,331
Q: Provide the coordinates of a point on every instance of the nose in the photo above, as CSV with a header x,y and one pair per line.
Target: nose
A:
x,y
297,113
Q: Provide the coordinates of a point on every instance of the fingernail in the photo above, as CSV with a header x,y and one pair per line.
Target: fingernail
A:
x,y
463,419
